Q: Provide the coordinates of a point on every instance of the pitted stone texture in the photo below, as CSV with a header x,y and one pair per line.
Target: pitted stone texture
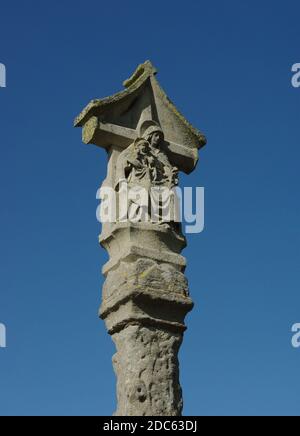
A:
x,y
148,275
147,370
145,291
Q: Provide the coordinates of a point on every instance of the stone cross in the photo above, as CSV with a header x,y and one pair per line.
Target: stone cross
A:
x,y
145,294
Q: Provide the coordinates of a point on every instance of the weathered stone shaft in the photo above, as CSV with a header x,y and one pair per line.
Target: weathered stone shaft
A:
x,y
146,365
144,304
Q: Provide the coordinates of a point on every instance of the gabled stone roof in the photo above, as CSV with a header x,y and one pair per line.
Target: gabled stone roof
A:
x,y
143,76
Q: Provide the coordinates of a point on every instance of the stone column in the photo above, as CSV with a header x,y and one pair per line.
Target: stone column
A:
x,y
145,295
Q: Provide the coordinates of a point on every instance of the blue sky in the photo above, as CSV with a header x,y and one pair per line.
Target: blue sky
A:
x,y
227,66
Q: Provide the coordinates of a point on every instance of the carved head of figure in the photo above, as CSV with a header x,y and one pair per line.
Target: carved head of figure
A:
x,y
152,132
141,147
155,139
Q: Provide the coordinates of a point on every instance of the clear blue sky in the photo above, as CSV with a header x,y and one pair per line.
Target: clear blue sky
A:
x,y
227,66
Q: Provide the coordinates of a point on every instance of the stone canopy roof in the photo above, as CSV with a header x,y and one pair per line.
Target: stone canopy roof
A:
x,y
142,99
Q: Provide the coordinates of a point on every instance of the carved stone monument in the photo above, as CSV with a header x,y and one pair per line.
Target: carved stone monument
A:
x,y
145,294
